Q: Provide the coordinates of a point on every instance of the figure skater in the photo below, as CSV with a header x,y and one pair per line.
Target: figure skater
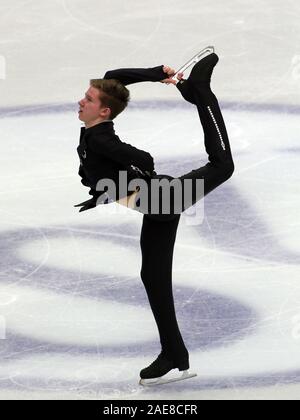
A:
x,y
103,155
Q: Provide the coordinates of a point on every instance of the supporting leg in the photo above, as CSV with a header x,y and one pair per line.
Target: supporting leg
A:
x,y
157,246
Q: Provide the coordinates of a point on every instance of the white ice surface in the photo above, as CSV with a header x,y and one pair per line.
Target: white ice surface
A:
x,y
246,252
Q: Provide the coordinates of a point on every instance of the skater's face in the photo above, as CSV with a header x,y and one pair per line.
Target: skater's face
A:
x,y
91,110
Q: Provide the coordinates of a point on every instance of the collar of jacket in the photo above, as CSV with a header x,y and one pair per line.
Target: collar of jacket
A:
x,y
103,127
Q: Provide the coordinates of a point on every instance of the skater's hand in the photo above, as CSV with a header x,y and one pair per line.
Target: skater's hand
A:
x,y
170,73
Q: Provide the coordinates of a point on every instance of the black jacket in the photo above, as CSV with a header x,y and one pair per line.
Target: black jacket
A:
x,y
102,154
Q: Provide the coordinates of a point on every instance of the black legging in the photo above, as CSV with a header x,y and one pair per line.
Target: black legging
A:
x,y
159,232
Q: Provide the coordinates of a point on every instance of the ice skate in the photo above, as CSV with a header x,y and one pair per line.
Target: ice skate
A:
x,y
202,71
166,379
159,372
200,74
202,54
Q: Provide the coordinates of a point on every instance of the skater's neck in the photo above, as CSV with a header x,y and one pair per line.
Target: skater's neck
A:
x,y
96,122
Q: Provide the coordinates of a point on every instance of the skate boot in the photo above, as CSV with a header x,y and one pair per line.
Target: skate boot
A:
x,y
200,74
156,373
202,71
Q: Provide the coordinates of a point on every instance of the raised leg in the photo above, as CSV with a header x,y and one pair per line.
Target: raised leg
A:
x,y
197,90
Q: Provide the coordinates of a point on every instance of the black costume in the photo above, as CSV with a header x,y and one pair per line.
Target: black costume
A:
x,y
159,231
102,154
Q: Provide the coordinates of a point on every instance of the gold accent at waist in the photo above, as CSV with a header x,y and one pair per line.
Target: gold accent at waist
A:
x,y
128,201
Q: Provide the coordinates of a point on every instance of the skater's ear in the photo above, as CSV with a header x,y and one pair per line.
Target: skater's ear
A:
x,y
105,112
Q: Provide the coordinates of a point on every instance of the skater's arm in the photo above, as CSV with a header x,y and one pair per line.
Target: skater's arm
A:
x,y
135,75
123,153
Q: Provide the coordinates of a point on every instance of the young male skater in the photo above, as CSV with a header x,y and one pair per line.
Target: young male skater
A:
x,y
103,155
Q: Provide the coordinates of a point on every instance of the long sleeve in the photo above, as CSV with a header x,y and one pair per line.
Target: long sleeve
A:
x,y
123,153
135,75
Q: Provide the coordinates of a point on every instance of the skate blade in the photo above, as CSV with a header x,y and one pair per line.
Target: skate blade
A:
x,y
202,54
166,380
